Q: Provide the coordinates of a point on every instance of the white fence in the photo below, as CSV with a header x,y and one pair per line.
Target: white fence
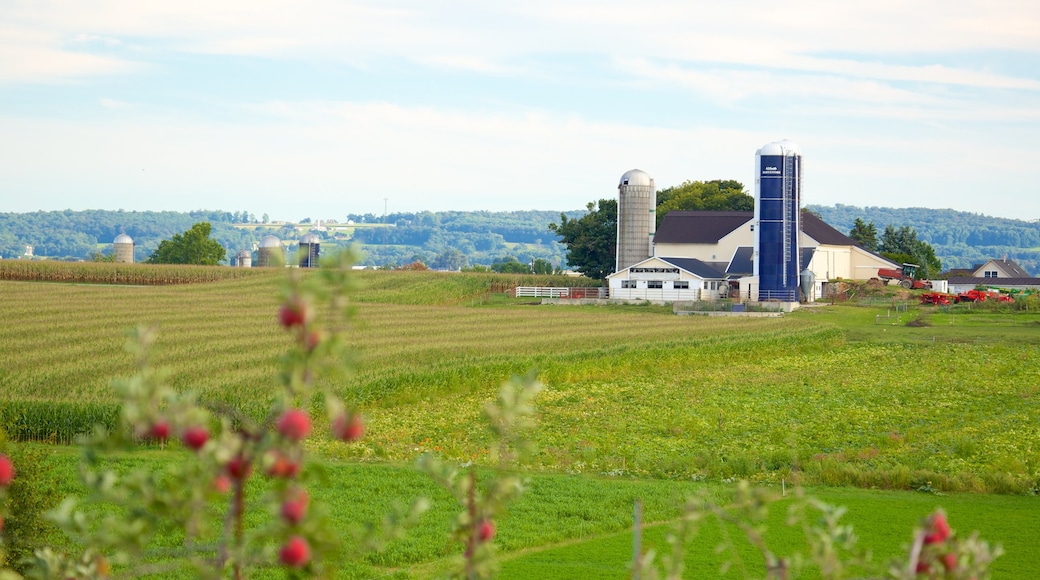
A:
x,y
552,292
657,294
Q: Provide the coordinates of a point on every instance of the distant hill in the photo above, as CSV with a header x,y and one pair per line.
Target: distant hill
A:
x,y
961,239
435,238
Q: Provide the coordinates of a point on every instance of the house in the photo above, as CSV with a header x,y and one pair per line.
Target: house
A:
x,y
662,279
1001,273
723,242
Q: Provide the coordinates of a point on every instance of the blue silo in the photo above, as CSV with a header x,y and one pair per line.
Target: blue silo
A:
x,y
778,189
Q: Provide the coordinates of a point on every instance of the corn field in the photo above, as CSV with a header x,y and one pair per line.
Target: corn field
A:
x,y
62,343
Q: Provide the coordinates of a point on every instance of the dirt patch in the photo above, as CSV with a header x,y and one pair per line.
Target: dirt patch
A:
x,y
919,323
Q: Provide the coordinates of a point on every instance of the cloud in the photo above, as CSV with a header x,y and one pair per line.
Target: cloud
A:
x,y
796,36
338,156
28,56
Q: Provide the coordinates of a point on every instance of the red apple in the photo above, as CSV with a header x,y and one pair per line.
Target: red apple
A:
x,y
6,470
195,437
238,467
221,484
294,424
160,430
295,312
949,560
295,553
348,427
281,465
940,529
485,530
313,339
295,505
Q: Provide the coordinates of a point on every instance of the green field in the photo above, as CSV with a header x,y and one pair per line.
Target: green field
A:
x,y
638,403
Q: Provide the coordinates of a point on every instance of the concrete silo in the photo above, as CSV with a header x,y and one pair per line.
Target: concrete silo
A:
x,y
310,244
123,248
637,218
778,192
270,252
244,259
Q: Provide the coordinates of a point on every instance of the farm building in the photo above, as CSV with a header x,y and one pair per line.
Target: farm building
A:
x,y
668,280
1001,273
724,243
271,252
123,248
243,259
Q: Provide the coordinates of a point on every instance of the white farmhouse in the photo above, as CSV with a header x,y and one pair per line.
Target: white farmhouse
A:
x,y
1001,273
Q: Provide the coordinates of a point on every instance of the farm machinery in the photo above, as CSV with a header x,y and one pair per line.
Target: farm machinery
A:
x,y
904,275
942,299
982,296
937,298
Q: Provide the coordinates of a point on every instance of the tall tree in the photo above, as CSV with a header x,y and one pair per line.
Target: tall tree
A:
x,y
864,234
542,266
715,195
193,246
591,240
450,259
896,243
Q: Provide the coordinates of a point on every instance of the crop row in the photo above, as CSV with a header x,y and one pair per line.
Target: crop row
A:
x,y
629,392
63,343
110,273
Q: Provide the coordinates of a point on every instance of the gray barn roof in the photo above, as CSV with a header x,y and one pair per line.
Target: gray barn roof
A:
x,y
708,227
997,282
694,266
823,233
699,227
1011,267
741,264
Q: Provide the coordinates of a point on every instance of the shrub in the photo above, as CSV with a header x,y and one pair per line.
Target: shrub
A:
x,y
29,496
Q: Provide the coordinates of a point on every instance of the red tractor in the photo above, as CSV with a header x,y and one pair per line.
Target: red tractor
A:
x,y
905,275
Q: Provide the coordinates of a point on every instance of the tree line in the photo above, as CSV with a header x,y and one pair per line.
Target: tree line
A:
x,y
960,239
582,239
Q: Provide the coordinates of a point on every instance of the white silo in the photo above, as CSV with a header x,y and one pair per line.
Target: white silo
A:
x,y
123,248
637,218
244,259
270,253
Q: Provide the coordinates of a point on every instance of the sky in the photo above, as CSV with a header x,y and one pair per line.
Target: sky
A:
x,y
323,108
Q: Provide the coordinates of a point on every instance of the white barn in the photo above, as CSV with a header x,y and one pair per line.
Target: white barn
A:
x,y
719,249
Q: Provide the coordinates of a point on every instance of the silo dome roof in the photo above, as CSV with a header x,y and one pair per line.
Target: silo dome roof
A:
x,y
270,242
310,238
784,147
636,177
244,254
123,239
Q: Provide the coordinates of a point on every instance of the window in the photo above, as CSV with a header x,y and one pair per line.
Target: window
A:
x,y
711,285
681,285
989,274
628,283
654,284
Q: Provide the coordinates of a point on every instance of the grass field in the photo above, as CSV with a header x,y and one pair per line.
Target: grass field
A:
x,y
638,403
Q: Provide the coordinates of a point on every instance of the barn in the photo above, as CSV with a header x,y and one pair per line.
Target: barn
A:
x,y
715,249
